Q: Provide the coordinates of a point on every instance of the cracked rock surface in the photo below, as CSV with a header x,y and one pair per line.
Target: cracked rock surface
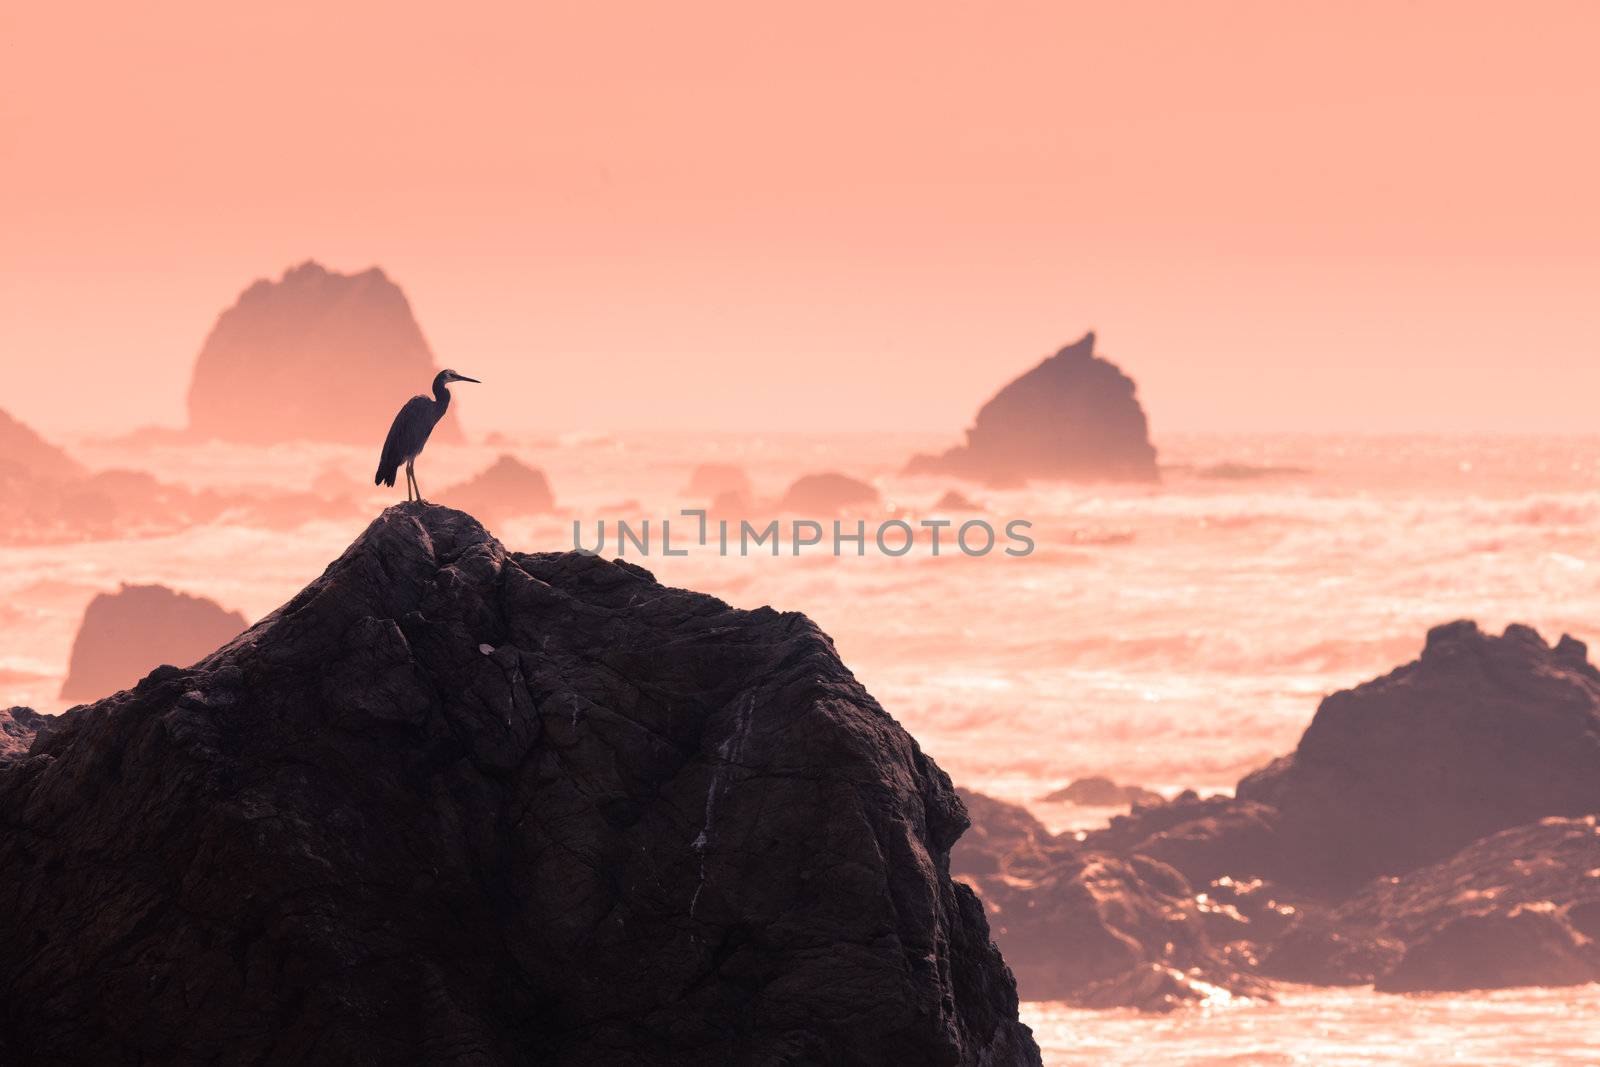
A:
x,y
453,804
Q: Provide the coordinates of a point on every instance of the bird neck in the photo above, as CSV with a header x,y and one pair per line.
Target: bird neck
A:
x,y
441,395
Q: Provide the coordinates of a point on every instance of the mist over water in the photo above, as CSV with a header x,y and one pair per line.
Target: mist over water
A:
x,y
1174,636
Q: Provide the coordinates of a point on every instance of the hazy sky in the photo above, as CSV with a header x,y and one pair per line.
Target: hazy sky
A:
x,y
838,215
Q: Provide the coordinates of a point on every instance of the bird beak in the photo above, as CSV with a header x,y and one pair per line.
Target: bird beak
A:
x,y
464,378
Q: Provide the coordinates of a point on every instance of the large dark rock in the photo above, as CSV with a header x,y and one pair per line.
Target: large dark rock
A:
x,y
316,355
507,488
452,804
1480,734
126,634
1074,416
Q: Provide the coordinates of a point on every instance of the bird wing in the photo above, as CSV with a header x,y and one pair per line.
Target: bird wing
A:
x,y
414,414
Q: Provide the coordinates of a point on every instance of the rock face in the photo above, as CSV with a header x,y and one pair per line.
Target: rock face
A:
x,y
18,726
1073,417
828,494
456,804
505,489
317,356
1480,734
126,634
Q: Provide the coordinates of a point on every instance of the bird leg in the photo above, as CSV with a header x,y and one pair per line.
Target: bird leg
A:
x,y
408,481
416,483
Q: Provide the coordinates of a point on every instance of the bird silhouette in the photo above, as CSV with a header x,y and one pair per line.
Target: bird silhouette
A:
x,y
409,433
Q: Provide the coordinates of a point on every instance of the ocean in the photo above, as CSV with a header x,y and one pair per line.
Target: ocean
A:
x,y
1172,636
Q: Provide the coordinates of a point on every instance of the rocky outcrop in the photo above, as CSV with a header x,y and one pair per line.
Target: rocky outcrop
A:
x,y
1097,791
1479,734
507,488
18,727
1526,945
711,480
1075,924
452,803
316,355
1073,417
828,494
126,634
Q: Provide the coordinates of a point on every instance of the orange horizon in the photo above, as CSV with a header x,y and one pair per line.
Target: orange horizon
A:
x,y
1363,218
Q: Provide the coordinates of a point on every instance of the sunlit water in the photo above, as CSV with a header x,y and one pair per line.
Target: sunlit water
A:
x,y
1308,1027
1170,636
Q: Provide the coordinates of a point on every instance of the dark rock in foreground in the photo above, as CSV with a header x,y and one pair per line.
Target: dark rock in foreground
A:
x,y
1072,417
507,488
126,634
317,356
455,804
18,727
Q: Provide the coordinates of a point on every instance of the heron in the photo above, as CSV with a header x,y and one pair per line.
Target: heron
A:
x,y
410,432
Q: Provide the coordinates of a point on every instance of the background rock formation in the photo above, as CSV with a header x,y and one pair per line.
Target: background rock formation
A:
x,y
452,803
18,726
316,355
1436,828
828,494
126,634
1074,417
710,480
24,455
505,489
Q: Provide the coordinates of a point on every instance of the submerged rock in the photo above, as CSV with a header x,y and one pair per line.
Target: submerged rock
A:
x,y
454,803
1074,417
316,356
507,488
126,634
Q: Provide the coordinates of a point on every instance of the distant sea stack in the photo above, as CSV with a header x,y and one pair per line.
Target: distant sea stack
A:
x,y
126,634
314,356
456,804
1074,417
506,489
25,456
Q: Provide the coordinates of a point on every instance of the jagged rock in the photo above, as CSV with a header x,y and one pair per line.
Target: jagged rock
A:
x,y
1317,952
456,804
18,727
828,494
710,480
126,634
507,488
316,355
1480,734
1096,929
1524,945
1097,791
1074,416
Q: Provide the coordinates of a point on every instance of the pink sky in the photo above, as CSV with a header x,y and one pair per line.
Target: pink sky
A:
x,y
1378,216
